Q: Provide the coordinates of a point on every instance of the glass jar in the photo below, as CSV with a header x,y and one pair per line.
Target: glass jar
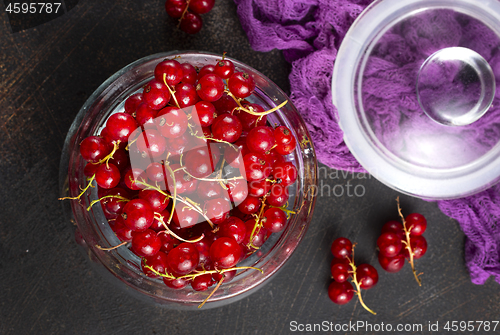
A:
x,y
121,265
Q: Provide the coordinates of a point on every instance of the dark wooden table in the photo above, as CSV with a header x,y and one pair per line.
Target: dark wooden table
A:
x,y
46,283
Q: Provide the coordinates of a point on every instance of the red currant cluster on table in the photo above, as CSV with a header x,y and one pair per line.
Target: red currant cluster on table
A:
x,y
363,276
400,241
191,175
188,12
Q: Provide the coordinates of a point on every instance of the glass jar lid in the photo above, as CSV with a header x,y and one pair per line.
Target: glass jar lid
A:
x,y
415,85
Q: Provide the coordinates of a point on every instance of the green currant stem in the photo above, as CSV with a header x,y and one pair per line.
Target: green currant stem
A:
x,y
122,199
116,145
250,110
111,248
83,191
174,199
257,223
172,93
159,217
408,245
183,13
357,283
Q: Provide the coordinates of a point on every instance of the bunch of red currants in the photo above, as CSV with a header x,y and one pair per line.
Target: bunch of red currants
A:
x,y
190,174
397,242
363,276
188,12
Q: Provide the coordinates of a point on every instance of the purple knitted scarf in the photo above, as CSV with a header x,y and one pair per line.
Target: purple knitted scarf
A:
x,y
310,32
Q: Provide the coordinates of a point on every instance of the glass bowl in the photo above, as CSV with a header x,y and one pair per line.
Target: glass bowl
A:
x,y
416,87
121,265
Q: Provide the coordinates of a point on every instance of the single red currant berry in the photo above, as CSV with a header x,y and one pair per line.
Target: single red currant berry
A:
x,y
185,94
389,244
340,272
274,220
138,215
151,143
340,293
278,196
209,190
107,175
171,70
156,200
204,113
190,75
132,102
210,87
225,252
394,227
90,169
123,232
416,223
285,173
341,247
156,94
185,217
250,205
115,205
202,282
227,128
158,262
392,264
133,179
250,121
234,228
201,6
418,246
259,188
183,259
175,8
260,139
171,122
145,116
176,284
120,126
191,23
94,148
207,69
259,234
146,243
367,276
285,141
241,85
224,68
237,191
256,167
217,210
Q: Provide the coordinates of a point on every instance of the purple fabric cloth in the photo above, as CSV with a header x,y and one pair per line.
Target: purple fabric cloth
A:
x,y
310,32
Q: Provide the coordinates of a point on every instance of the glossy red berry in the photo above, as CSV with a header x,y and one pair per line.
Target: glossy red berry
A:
x,y
227,127
234,228
202,282
340,293
392,264
185,94
146,243
172,122
340,271
158,262
341,247
94,148
107,176
156,94
189,73
138,215
225,252
210,87
285,173
389,244
241,84
367,276
175,8
132,102
224,68
416,223
285,141
183,259
120,126
171,70
274,220
201,6
191,23
260,139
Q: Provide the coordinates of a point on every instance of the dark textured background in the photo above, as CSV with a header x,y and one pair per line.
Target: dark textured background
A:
x,y
47,285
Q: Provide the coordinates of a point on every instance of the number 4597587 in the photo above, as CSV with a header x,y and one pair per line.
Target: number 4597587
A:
x,y
33,7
